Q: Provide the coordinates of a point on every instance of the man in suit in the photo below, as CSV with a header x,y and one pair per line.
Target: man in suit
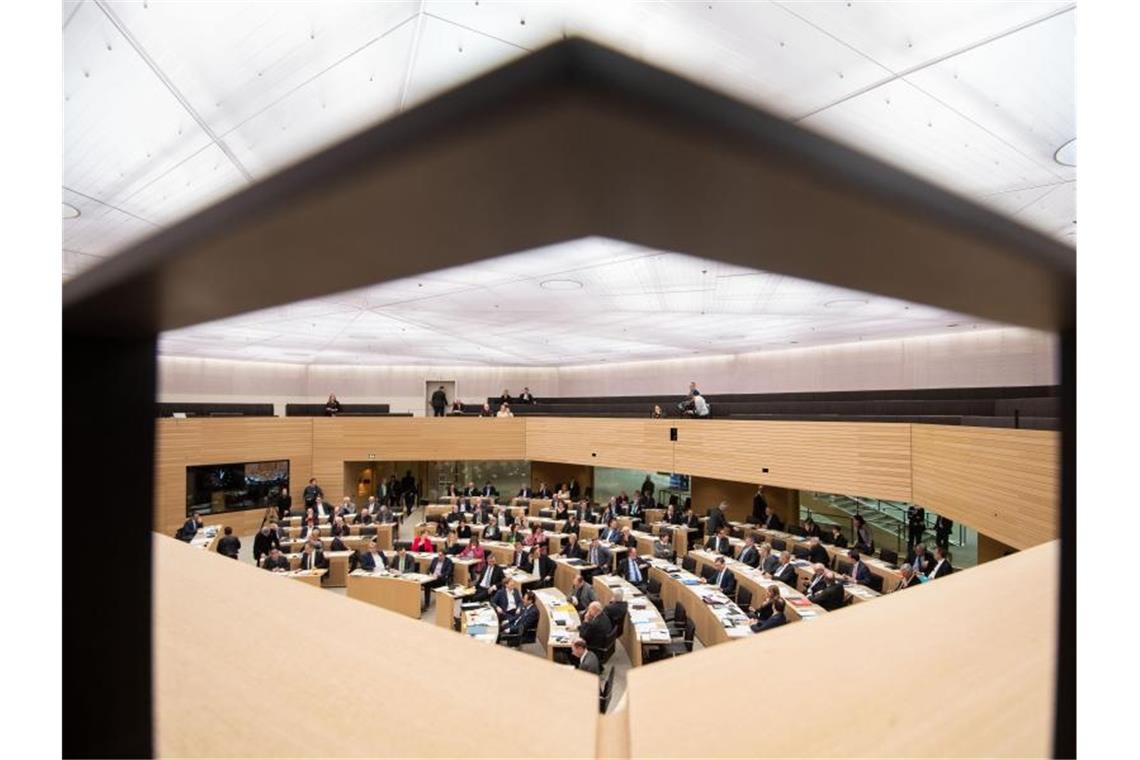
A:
x,y
611,532
314,538
942,528
340,527
634,569
759,508
817,553
811,530
345,509
774,522
365,516
718,542
488,580
338,545
488,490
581,594
526,492
942,564
599,555
526,619
663,547
522,559
543,491
441,571
831,596
915,525
492,532
507,601
837,537
749,554
369,558
818,579
190,528
717,520
265,540
229,545
438,401
313,559
596,627
587,660
311,492
918,559
785,571
909,577
724,579
776,619
321,510
276,561
403,562
617,608
574,489
571,549
768,561
859,572
543,567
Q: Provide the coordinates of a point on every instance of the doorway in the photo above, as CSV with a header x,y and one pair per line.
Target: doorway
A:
x,y
430,387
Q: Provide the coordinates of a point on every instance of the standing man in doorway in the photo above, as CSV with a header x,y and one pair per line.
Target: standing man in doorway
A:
x,y
438,402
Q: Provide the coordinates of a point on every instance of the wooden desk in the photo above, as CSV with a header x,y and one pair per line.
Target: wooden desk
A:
x,y
337,569
653,515
485,617
565,572
644,626
797,608
311,577
207,538
680,535
447,601
681,586
558,621
399,593
890,575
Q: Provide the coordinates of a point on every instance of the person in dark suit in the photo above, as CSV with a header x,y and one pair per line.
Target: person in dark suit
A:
x,y
493,532
488,580
719,543
284,503
522,559
612,532
507,600
811,530
451,545
717,520
339,527
818,579
749,554
634,569
909,577
581,594
617,608
369,558
942,528
571,549
599,555
277,561
526,619
441,571
831,596
596,627
311,492
488,490
574,489
774,522
785,571
724,579
452,491
942,564
768,561
920,560
526,492
915,525
438,401
543,491
837,537
365,516
190,528
672,515
859,572
265,540
338,544
776,619
759,514
463,530
663,547
314,538
817,553
403,562
587,660
542,566
313,559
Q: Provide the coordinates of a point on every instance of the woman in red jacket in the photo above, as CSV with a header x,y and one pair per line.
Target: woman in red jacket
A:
x,y
422,543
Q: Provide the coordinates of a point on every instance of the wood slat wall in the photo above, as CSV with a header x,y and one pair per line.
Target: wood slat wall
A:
x,y
1004,483
839,457
1001,482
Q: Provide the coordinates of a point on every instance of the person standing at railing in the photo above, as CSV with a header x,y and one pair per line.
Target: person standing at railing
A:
x,y
864,539
942,528
916,525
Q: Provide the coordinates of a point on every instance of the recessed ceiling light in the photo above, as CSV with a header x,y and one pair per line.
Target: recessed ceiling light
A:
x,y
560,284
846,303
1066,155
70,212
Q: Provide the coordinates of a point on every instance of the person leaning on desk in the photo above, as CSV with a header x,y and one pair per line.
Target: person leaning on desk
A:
x,y
581,594
276,561
596,627
190,528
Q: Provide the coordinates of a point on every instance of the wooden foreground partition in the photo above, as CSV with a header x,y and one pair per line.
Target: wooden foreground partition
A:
x,y
979,646
249,665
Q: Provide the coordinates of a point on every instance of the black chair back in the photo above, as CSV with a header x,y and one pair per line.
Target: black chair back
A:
x,y
876,582
800,552
843,566
708,573
888,555
690,564
652,586
606,692
679,614
779,544
743,597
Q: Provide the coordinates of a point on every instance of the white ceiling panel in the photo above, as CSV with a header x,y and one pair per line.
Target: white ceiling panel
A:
x,y
1021,88
901,35
361,90
529,25
640,304
906,127
99,230
231,60
122,126
1055,212
193,184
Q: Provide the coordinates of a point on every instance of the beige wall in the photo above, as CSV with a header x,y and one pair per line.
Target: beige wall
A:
x,y
993,357
709,492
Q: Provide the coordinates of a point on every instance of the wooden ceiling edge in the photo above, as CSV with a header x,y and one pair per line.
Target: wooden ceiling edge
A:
x,y
610,85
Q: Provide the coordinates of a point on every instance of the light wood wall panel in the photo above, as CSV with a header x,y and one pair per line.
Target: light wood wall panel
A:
x,y
709,492
864,459
184,443
560,472
1004,483
358,439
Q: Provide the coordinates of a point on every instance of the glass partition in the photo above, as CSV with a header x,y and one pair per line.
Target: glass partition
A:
x,y
611,481
217,488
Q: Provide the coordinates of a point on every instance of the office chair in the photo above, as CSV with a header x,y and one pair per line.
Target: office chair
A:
x,y
653,593
676,620
684,645
890,556
800,552
743,597
690,564
876,582
779,544
516,640
708,573
843,566
606,692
